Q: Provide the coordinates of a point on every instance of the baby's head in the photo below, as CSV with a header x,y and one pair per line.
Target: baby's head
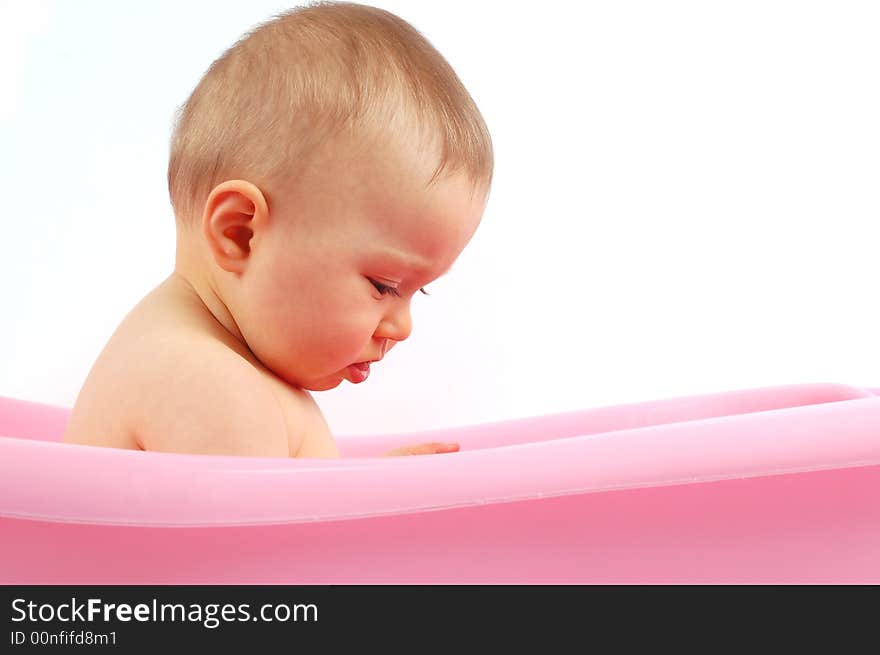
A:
x,y
326,168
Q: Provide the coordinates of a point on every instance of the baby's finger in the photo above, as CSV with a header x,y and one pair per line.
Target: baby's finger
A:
x,y
431,448
436,447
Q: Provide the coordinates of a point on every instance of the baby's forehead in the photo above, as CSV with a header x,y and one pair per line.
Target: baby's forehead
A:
x,y
392,136
383,175
383,184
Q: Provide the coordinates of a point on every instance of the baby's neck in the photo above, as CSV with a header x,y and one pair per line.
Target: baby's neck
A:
x,y
192,277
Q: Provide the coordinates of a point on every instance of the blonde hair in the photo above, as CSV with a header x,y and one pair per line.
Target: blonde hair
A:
x,y
295,81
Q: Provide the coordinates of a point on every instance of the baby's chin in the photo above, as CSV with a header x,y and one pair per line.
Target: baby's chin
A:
x,y
321,384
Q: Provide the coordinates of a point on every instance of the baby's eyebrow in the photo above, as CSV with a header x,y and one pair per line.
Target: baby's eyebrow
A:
x,y
412,263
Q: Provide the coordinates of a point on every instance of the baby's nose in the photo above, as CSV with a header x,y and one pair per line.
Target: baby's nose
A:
x,y
396,326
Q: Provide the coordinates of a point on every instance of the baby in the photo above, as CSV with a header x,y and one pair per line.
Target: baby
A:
x,y
327,167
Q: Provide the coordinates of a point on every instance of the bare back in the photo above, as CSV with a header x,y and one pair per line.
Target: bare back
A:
x,y
171,378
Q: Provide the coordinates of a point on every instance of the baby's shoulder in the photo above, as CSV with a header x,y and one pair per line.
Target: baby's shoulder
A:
x,y
171,380
200,396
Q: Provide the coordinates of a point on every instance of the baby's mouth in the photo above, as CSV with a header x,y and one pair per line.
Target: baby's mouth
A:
x,y
359,372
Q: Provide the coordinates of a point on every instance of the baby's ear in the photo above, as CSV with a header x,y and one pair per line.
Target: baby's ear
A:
x,y
232,211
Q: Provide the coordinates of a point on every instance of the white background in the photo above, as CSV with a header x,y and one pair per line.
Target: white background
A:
x,y
685,199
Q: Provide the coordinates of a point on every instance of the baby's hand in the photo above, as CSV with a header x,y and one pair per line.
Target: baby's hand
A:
x,y
432,448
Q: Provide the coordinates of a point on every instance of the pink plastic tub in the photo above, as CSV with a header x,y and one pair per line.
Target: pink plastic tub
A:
x,y
770,485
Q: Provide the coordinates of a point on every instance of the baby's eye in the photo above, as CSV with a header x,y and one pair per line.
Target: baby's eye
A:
x,y
385,289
